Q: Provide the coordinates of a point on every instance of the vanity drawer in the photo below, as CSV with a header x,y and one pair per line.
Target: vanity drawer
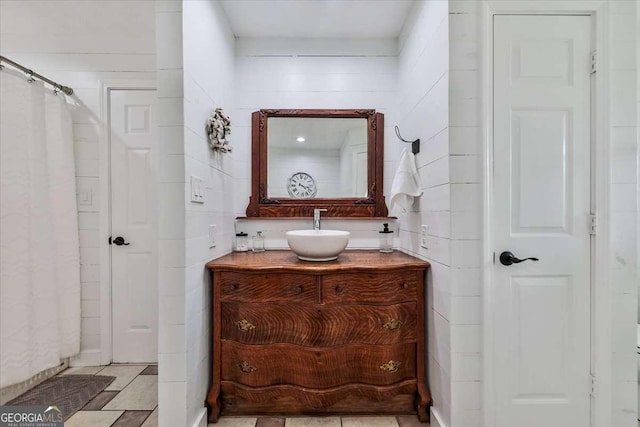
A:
x,y
248,287
370,287
318,325
259,366
349,399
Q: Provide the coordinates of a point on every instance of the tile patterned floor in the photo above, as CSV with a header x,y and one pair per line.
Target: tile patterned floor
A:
x,y
131,400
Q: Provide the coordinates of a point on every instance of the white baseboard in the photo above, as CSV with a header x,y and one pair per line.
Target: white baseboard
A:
x,y
436,419
201,420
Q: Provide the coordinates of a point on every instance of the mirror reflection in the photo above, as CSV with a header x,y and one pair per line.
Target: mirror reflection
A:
x,y
314,157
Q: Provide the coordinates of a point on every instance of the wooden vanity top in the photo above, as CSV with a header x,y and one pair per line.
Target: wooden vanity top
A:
x,y
284,260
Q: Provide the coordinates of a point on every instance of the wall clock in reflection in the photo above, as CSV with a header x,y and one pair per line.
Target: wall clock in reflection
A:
x,y
301,185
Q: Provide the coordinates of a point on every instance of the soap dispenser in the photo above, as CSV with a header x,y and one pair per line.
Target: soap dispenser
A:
x,y
386,239
258,242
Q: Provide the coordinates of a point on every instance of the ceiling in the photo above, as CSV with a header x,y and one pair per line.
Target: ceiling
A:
x,y
317,18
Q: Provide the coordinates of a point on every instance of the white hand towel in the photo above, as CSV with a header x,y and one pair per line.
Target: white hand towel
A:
x,y
406,183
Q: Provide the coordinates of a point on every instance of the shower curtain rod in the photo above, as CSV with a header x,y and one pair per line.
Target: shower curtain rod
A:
x,y
65,89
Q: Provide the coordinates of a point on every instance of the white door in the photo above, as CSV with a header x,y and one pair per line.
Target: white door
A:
x,y
133,227
541,354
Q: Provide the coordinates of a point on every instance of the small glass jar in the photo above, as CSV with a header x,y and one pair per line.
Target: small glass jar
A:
x,y
242,242
386,239
258,242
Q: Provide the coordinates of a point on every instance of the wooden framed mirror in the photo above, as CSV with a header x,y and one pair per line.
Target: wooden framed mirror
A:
x,y
307,159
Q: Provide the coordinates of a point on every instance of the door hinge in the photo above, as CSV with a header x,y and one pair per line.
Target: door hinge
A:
x,y
594,384
594,61
594,224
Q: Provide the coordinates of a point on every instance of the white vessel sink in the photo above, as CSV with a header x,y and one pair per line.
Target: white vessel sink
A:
x,y
317,245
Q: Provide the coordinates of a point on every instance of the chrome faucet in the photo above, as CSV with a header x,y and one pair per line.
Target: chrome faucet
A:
x,y
316,218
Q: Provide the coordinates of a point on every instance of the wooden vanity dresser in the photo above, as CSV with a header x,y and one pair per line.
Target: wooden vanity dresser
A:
x,y
340,337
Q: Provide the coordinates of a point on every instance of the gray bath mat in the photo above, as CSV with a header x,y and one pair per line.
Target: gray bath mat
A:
x,y
69,392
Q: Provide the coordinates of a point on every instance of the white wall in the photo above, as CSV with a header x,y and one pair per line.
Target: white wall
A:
x,y
638,192
208,84
423,104
364,233
623,136
465,169
638,136
80,44
312,73
195,75
172,347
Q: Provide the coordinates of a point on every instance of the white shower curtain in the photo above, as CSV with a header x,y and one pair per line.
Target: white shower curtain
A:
x,y
39,248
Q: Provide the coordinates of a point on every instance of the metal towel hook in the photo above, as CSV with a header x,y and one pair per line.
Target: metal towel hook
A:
x,y
415,145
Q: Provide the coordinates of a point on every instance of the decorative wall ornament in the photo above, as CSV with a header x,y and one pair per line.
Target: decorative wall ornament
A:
x,y
218,131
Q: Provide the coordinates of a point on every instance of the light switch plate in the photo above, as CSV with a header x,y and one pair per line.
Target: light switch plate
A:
x,y
212,236
424,234
85,197
197,190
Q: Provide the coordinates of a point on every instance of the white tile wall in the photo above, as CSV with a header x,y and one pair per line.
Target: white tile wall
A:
x,y
466,367
207,83
79,44
465,147
440,341
423,104
623,135
364,233
285,73
439,83
172,348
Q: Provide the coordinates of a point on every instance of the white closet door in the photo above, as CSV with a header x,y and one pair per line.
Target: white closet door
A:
x,y
134,263
542,141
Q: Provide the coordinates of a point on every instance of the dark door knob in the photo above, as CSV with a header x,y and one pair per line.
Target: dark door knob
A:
x,y
120,241
508,258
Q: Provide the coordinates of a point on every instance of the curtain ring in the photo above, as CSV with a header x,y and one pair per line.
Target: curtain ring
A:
x,y
30,74
56,89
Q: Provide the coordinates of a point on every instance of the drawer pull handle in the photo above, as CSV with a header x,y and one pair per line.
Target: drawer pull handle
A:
x,y
391,366
405,285
298,289
392,324
244,325
338,289
245,367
